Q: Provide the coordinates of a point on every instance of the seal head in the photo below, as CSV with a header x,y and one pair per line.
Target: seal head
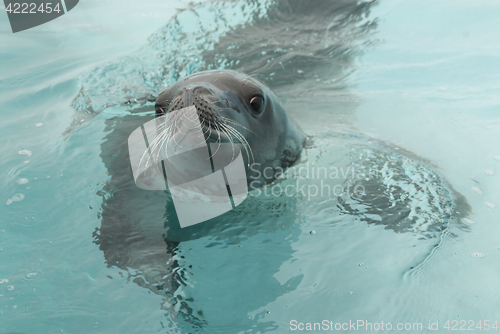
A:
x,y
235,108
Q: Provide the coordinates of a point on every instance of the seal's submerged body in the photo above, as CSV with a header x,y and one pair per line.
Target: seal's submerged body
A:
x,y
236,108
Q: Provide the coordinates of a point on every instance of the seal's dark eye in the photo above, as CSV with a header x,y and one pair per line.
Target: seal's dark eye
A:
x,y
257,104
160,111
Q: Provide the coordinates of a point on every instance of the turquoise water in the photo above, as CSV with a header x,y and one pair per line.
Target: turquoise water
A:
x,y
413,84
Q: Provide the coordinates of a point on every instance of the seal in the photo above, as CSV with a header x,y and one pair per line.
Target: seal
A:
x,y
140,235
236,108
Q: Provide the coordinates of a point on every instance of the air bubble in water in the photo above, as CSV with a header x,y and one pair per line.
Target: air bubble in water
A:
x,y
16,198
22,181
476,190
468,221
477,255
25,152
490,205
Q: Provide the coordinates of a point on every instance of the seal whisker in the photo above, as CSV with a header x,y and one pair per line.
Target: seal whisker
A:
x,y
175,125
242,140
169,133
230,139
153,145
150,149
228,120
218,139
158,143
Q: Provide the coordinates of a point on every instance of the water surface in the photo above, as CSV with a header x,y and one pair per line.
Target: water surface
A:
x,y
412,84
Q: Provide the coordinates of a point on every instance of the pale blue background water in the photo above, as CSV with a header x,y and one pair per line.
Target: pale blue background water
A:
x,y
426,80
